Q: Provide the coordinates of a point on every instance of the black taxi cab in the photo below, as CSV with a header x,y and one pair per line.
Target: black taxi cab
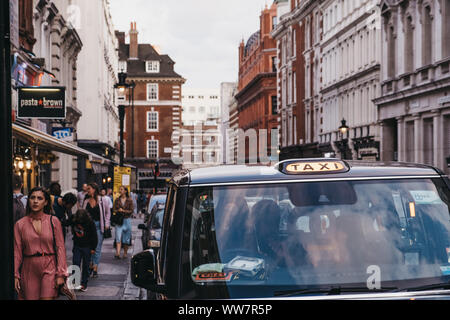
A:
x,y
303,229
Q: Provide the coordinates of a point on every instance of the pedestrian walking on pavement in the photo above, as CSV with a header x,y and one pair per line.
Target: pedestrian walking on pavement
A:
x,y
133,197
40,266
19,200
62,207
84,243
81,195
104,194
123,206
100,212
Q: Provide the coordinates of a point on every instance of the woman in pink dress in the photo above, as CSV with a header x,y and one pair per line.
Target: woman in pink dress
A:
x,y
38,271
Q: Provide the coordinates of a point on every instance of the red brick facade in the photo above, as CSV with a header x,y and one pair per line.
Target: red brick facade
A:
x,y
257,79
165,106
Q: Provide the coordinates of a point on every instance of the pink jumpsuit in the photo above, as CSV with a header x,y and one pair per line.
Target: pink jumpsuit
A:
x,y
38,274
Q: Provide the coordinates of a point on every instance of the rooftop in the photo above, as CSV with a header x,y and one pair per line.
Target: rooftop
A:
x,y
247,174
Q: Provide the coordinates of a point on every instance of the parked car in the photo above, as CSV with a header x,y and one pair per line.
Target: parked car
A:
x,y
351,230
151,228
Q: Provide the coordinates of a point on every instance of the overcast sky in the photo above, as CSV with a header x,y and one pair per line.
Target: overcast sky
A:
x,y
201,36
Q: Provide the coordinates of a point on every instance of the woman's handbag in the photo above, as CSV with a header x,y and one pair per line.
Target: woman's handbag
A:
x,y
117,218
63,289
107,233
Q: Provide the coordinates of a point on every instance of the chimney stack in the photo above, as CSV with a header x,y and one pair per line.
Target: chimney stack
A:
x,y
133,42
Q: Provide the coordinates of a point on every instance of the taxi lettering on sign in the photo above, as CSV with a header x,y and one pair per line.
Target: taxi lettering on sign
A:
x,y
315,167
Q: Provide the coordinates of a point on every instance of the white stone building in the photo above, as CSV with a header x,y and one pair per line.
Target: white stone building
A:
x,y
227,92
98,67
201,137
414,104
58,45
201,105
350,77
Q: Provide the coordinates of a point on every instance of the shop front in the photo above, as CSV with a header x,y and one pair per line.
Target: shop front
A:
x,y
35,154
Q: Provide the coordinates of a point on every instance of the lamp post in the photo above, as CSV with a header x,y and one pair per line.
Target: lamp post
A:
x,y
343,129
121,86
6,164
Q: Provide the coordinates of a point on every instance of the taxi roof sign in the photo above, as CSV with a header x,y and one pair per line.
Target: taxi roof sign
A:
x,y
313,166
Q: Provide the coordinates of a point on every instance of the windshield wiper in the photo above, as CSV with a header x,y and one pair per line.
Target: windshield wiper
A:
x,y
442,285
331,291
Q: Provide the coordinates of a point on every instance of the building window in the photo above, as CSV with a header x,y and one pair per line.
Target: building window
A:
x,y
191,109
391,53
274,64
427,36
152,121
446,28
152,66
274,22
409,45
152,92
274,105
152,149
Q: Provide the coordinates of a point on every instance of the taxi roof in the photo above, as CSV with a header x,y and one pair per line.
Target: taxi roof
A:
x,y
248,174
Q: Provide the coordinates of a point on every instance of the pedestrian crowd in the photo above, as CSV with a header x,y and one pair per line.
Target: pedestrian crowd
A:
x,y
42,221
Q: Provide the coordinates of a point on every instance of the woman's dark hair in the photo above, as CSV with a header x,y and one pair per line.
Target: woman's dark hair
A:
x,y
82,217
94,186
55,189
69,198
48,208
126,191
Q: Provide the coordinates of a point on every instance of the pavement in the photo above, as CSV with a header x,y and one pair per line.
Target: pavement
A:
x,y
113,282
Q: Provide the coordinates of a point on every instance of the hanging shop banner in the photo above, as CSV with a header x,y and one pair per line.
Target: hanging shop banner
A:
x,y
41,103
122,177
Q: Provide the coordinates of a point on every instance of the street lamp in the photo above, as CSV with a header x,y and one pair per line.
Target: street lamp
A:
x,y
122,86
343,129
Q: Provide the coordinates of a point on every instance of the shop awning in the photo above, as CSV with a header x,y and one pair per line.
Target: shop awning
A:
x,y
49,142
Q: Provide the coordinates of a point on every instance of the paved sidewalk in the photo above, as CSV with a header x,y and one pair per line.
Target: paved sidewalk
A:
x,y
113,282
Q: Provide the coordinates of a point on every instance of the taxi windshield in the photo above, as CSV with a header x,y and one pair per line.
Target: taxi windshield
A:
x,y
373,233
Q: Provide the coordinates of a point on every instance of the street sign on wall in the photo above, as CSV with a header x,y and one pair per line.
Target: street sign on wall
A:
x,y
65,134
41,103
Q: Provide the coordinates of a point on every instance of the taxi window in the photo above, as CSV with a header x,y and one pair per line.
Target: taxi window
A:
x,y
278,235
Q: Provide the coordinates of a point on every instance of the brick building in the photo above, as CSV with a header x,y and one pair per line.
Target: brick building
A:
x,y
257,95
290,36
155,110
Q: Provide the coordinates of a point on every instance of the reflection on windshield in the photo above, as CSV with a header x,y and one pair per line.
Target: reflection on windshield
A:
x,y
319,233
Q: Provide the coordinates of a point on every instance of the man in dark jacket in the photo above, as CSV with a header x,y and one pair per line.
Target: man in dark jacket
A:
x,y
63,209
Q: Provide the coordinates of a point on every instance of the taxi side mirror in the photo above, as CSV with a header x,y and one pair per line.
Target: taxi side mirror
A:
x,y
142,226
143,270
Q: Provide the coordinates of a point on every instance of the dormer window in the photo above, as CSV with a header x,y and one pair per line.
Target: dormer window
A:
x,y
152,66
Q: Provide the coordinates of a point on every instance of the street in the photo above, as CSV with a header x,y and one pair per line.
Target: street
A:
x,y
113,282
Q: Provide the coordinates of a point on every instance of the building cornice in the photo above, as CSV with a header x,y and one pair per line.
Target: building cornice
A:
x,y
260,76
351,78
153,79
